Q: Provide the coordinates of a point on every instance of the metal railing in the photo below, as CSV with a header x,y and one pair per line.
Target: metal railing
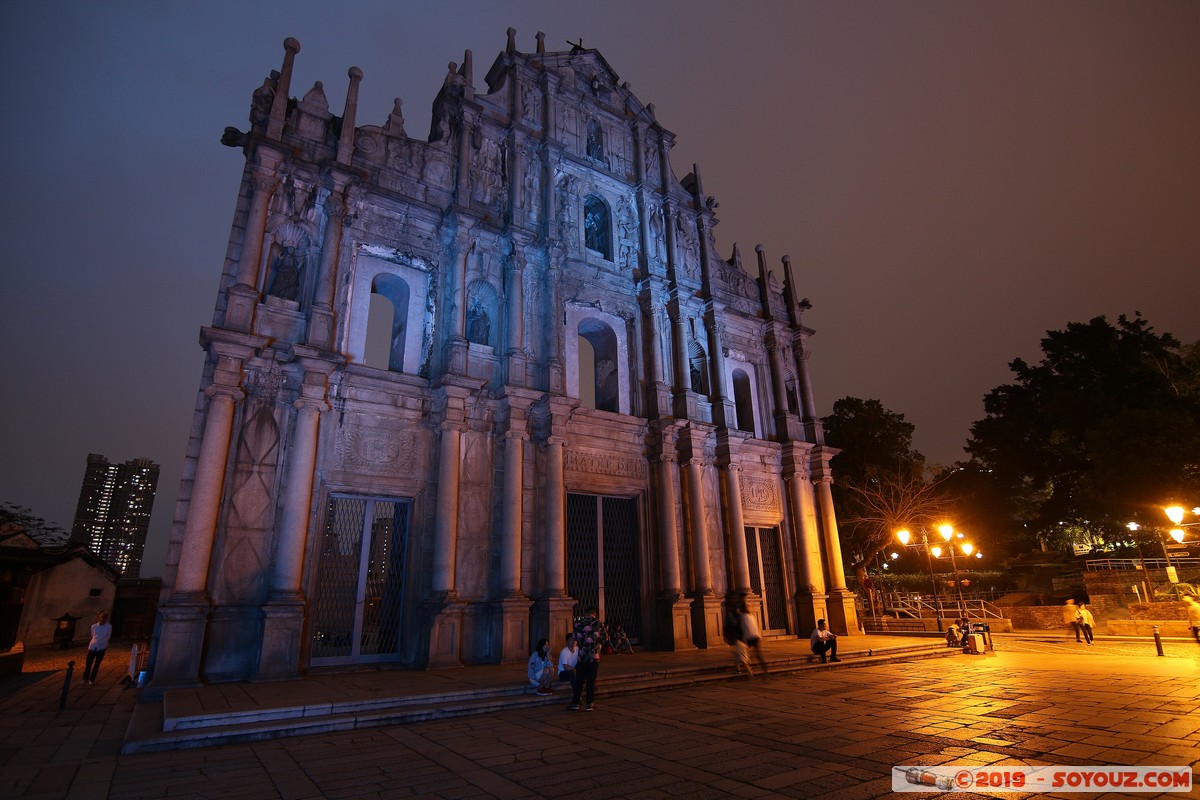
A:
x,y
1136,564
919,607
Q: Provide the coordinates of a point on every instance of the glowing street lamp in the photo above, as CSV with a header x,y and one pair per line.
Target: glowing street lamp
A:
x,y
905,536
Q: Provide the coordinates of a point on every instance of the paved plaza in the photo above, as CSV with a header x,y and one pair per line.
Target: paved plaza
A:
x,y
817,733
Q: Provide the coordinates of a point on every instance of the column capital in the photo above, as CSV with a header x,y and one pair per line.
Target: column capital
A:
x,y
315,403
520,436
234,393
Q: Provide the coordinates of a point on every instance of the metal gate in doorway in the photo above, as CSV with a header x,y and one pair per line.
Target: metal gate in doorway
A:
x,y
766,575
603,567
359,586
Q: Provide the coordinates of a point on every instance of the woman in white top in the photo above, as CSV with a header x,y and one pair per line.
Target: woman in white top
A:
x,y
541,668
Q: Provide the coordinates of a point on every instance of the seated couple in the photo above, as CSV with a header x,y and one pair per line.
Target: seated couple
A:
x,y
541,667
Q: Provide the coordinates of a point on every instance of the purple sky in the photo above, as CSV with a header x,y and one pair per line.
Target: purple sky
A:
x,y
951,180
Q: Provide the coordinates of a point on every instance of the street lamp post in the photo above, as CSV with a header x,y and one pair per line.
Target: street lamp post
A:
x,y
1175,514
947,533
905,536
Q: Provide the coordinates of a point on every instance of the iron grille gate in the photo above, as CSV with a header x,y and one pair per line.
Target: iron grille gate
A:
x,y
360,581
766,576
602,559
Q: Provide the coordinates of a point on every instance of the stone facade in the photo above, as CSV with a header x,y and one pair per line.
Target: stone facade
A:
x,y
458,388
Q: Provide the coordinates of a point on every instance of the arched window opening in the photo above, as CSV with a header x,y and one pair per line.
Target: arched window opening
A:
x,y
379,332
388,336
597,227
744,401
598,365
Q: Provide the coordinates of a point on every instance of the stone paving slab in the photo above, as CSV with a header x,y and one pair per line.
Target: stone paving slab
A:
x,y
816,733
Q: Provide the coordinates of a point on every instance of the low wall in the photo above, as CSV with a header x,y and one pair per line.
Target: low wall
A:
x,y
1145,627
1038,618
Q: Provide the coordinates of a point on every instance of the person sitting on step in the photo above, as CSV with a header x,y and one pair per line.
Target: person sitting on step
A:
x,y
541,667
824,641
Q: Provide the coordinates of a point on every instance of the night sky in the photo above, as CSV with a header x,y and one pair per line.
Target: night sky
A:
x,y
951,180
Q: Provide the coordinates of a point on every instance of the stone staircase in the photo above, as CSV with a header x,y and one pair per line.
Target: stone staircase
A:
x,y
179,721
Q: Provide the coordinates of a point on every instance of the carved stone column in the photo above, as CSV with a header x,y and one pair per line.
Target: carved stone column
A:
x,y
321,317
553,609
811,598
242,297
514,605
184,614
843,618
444,610
283,623
706,615
735,528
674,610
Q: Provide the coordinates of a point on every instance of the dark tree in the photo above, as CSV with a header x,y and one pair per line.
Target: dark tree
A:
x,y
14,518
879,479
1104,430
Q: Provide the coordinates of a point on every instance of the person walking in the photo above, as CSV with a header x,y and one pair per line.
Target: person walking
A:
x,y
591,636
752,638
97,647
1086,623
731,631
1071,618
541,667
1193,615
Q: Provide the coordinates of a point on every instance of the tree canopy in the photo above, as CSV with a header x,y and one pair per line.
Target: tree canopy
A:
x,y
1104,430
879,479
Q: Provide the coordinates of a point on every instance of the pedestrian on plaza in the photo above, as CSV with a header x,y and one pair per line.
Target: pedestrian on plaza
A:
x,y
541,667
1071,618
731,632
568,658
97,646
752,638
1193,614
1086,623
591,636
824,641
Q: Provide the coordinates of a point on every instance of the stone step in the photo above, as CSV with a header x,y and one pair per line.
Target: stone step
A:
x,y
154,728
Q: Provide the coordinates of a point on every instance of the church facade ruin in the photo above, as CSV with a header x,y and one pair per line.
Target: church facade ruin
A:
x,y
459,389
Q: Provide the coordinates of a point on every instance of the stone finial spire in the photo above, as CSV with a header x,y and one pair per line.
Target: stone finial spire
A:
x,y
468,73
699,188
764,277
395,120
511,46
279,105
541,43
346,140
789,291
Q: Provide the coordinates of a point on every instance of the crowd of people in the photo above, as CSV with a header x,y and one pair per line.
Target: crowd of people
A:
x,y
579,659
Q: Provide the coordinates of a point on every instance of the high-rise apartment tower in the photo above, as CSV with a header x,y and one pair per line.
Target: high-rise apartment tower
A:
x,y
113,514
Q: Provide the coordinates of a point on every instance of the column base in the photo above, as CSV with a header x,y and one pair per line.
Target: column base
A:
x,y
843,616
283,630
706,621
809,609
516,643
240,302
675,623
554,618
445,620
320,328
180,646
